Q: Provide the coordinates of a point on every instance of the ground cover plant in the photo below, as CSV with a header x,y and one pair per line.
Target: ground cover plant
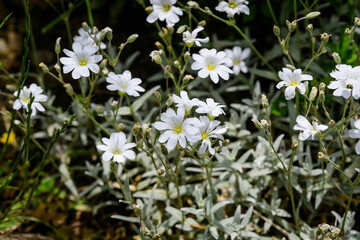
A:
x,y
168,119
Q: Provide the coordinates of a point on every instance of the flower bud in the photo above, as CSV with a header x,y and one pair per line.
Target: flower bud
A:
x,y
192,4
187,79
294,145
159,45
43,67
321,97
149,9
226,142
264,101
138,209
170,101
332,122
313,93
186,56
57,67
207,10
155,220
202,23
324,38
291,67
170,29
120,127
336,58
99,110
95,30
181,29
69,89
57,46
137,131
312,15
156,56
157,96
132,38
276,31
164,151
177,64
103,63
167,72
10,87
264,124
256,123
85,26
309,27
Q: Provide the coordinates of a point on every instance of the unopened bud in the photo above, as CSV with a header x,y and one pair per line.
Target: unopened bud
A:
x,y
170,29
10,87
226,142
321,97
264,101
99,110
95,30
85,26
137,129
103,63
324,38
291,67
312,15
207,10
170,101
155,220
276,31
157,96
132,38
177,64
256,123
114,103
57,68
309,27
187,56
120,127
138,209
336,58
321,155
159,45
202,23
44,68
57,46
69,89
192,4
187,79
294,145
149,9
313,93
167,72
332,122
156,56
181,29
264,124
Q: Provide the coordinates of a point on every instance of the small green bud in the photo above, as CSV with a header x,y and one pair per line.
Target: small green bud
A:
x,y
149,9
57,46
170,30
120,127
312,15
177,64
132,38
167,72
187,56
69,89
10,87
95,30
159,45
294,145
137,131
57,67
156,56
226,142
322,86
160,171
155,220
157,96
187,79
85,26
43,67
164,151
181,29
264,101
336,58
289,66
321,155
193,4
207,10
99,110
313,93
276,31
103,63
202,23
256,123
332,122
138,209
169,101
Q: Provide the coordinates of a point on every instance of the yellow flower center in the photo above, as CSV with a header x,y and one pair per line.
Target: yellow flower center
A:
x,y
232,5
294,83
167,7
26,100
204,135
349,86
83,62
178,129
236,62
117,152
211,66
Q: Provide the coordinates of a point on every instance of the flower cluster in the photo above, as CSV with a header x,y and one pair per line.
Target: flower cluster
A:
x,y
179,129
347,81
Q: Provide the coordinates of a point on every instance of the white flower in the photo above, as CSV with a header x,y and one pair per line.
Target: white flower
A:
x,y
25,96
117,148
212,108
347,81
355,133
308,129
176,128
208,129
164,10
212,63
237,56
233,7
184,102
292,80
86,38
123,83
190,37
81,60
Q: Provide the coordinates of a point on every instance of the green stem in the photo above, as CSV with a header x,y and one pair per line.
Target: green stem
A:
x,y
272,12
88,8
347,208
